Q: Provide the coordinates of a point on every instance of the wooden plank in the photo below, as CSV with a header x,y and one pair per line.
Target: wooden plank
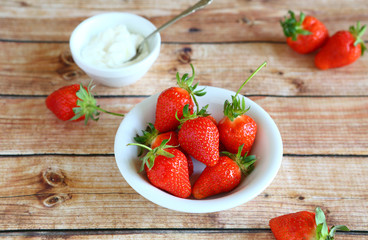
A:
x,y
307,126
30,128
178,235
252,20
40,68
88,192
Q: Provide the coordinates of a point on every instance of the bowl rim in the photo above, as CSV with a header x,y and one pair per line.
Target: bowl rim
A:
x,y
234,199
116,72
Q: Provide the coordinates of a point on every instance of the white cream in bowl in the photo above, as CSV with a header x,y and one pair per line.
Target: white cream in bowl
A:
x,y
100,47
113,47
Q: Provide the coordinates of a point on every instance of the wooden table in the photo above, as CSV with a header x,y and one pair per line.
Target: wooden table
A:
x,y
59,179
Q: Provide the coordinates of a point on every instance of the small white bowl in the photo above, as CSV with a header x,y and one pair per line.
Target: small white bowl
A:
x,y
114,77
267,148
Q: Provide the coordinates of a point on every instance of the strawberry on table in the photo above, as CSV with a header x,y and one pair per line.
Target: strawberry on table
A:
x,y
236,128
342,49
75,102
199,136
167,169
306,35
172,100
224,176
303,225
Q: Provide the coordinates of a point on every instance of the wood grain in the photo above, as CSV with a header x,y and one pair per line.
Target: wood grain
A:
x,y
88,192
307,126
59,180
251,21
221,235
40,68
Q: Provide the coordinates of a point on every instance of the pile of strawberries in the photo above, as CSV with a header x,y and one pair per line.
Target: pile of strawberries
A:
x,y
181,130
309,34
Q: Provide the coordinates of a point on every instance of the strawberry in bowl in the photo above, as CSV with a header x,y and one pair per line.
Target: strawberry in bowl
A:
x,y
267,148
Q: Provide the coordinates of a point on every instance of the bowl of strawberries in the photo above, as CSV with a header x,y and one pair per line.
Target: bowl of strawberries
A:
x,y
198,149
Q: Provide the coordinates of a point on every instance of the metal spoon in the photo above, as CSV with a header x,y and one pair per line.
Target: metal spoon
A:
x,y
195,7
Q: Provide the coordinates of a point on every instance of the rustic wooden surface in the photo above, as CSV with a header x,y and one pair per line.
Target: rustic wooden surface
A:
x,y
60,180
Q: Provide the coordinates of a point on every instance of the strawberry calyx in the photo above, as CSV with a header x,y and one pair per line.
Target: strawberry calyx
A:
x,y
149,158
292,27
187,115
185,82
147,137
237,107
87,106
322,232
358,32
245,163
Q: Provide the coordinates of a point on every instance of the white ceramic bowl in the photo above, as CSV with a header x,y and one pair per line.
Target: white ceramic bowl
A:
x,y
118,77
267,148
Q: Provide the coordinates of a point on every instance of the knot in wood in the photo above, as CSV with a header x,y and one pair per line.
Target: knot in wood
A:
x,y
55,199
66,57
72,74
69,71
54,177
184,55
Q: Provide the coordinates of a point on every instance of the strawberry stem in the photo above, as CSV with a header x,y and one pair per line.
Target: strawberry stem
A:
x,y
108,112
250,77
87,106
186,83
149,158
237,107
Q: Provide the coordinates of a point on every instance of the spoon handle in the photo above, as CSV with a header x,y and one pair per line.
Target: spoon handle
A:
x,y
190,10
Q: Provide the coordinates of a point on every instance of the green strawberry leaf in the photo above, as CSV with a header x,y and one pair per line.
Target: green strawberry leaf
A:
x,y
358,32
245,163
147,137
186,83
322,228
338,227
321,223
187,115
292,27
87,106
149,158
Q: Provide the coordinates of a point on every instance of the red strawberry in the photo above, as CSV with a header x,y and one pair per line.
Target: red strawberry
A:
x,y
303,225
212,119
306,35
342,49
190,163
199,137
62,101
152,138
224,176
239,130
167,169
235,128
74,102
172,100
